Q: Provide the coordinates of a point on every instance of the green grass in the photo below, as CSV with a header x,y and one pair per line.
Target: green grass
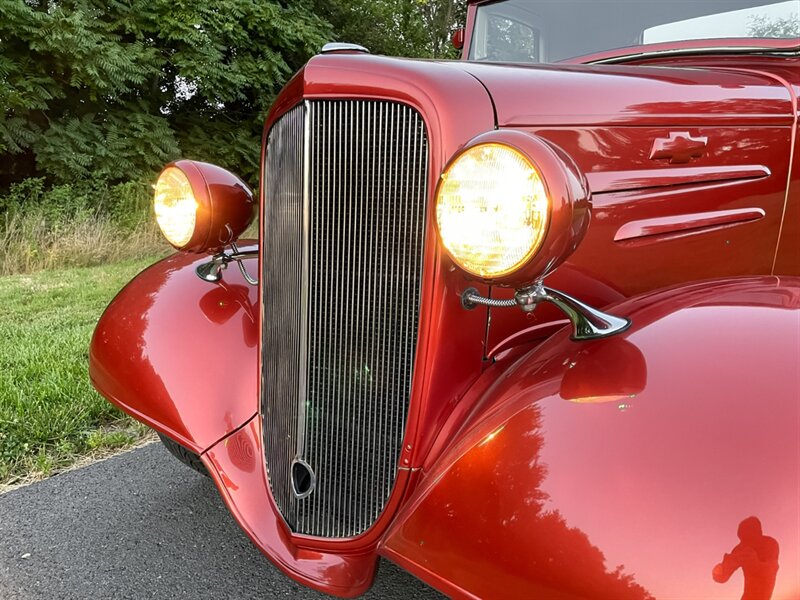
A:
x,y
50,416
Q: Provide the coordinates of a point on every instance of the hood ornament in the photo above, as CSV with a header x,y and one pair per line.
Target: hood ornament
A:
x,y
334,47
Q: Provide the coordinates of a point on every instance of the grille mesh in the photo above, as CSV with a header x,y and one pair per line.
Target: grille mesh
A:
x,y
345,195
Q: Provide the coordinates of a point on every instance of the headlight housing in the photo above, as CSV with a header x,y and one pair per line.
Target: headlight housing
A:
x,y
201,207
511,207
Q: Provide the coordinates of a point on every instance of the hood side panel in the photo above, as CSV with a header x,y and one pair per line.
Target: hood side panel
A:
x,y
630,95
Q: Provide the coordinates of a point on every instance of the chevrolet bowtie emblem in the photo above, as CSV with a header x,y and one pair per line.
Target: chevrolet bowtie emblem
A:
x,y
679,148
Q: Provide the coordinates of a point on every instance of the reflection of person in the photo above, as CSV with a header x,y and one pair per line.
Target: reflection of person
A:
x,y
757,555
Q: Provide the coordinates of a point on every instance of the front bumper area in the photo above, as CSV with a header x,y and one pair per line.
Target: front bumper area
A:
x,y
237,467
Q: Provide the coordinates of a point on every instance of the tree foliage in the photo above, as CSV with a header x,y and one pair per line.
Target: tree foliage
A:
x,y
416,28
774,27
116,88
111,90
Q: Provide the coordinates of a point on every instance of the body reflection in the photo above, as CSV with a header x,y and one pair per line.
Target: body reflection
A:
x,y
757,555
536,552
225,300
588,378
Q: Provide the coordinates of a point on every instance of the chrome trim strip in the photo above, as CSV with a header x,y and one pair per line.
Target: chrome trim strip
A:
x,y
694,51
302,384
332,47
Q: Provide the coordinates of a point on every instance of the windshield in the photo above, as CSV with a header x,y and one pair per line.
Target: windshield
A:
x,y
537,31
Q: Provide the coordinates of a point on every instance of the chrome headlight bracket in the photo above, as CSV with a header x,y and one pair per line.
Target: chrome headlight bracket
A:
x,y
588,323
211,271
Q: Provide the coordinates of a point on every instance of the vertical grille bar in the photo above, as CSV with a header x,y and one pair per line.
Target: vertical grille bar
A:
x,y
345,194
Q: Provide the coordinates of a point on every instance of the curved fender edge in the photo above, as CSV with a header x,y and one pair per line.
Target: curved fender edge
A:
x,y
662,462
180,354
236,464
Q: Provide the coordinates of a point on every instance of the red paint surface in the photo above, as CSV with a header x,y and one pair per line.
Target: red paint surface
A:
x,y
601,182
570,202
679,148
696,222
178,353
630,52
237,467
572,463
181,354
631,95
787,255
225,205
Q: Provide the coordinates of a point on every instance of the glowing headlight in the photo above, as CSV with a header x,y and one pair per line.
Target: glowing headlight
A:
x,y
175,206
492,210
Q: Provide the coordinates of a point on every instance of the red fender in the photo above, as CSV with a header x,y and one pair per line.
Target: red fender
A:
x,y
660,463
179,353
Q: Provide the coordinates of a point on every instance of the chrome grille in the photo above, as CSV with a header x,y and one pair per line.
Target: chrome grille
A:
x,y
345,196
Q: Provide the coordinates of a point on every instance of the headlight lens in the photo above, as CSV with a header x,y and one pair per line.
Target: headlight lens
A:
x,y
492,210
175,206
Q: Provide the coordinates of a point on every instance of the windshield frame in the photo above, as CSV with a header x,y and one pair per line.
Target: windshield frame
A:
x,y
616,55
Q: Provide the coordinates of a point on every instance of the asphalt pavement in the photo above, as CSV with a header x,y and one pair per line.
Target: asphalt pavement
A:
x,y
142,525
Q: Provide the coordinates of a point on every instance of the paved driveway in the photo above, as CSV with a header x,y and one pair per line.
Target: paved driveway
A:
x,y
141,525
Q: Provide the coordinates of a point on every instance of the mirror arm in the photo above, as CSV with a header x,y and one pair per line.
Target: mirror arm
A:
x,y
588,323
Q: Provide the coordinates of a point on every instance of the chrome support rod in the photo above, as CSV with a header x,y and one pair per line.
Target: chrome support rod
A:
x,y
588,323
211,271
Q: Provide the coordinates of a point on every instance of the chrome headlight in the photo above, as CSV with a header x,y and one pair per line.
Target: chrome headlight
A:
x,y
492,210
511,207
175,206
201,207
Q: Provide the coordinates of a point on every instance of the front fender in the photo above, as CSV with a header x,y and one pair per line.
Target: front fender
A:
x,y
180,354
627,468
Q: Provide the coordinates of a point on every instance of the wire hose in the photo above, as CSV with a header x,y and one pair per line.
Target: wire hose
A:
x,y
470,298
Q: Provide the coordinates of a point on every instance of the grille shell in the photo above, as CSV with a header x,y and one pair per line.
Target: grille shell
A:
x,y
344,225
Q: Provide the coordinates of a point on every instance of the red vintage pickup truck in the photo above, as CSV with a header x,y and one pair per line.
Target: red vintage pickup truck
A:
x,y
526,324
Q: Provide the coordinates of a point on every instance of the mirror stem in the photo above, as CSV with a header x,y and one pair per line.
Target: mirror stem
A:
x,y
588,323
